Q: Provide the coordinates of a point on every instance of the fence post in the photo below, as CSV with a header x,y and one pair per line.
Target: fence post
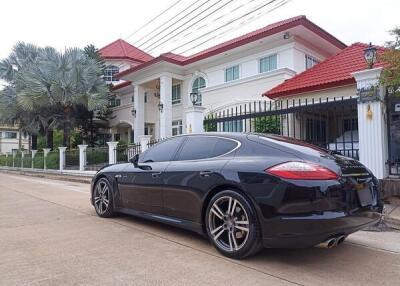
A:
x,y
82,157
14,153
33,157
62,157
144,142
112,156
22,158
46,151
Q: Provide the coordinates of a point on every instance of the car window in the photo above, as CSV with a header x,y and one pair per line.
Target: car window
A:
x,y
161,152
198,147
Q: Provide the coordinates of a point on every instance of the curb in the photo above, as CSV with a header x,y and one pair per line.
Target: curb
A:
x,y
54,175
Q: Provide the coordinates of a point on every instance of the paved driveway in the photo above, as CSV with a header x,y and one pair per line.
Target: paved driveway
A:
x,y
50,235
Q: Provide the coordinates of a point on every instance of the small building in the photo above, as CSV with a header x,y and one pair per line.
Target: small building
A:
x,y
153,95
11,139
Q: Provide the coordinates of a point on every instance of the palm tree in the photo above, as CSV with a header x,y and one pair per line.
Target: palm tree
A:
x,y
61,80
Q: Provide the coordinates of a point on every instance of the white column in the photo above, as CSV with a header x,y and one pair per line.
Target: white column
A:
x,y
82,157
144,141
194,119
166,101
138,121
372,129
33,157
46,151
112,152
62,157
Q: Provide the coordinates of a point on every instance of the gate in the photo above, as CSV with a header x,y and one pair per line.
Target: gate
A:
x,y
330,123
393,130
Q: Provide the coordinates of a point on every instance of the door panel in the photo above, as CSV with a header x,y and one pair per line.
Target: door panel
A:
x,y
142,190
186,183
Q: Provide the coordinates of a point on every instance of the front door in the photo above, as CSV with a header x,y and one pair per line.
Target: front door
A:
x,y
142,188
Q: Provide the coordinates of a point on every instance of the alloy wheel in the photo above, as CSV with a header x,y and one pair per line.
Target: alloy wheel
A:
x,y
101,197
229,224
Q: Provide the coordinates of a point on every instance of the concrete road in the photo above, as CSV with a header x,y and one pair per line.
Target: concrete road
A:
x,y
50,235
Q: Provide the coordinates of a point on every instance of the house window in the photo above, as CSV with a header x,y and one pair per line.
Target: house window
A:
x,y
117,137
114,102
176,127
198,83
176,94
268,63
109,73
233,126
232,73
310,62
145,97
10,135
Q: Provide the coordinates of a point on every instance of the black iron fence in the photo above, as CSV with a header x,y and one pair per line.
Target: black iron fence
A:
x,y
125,152
328,123
393,129
96,158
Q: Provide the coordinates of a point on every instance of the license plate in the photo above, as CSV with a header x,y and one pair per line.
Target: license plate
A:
x,y
365,196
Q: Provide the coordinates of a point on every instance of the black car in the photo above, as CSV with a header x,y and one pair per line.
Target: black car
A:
x,y
243,191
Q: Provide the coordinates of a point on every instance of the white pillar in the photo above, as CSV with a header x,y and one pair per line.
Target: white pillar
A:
x,y
82,157
33,157
138,120
22,158
46,151
144,141
166,101
372,128
112,152
62,157
194,119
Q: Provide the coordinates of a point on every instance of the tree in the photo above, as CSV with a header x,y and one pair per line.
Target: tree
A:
x,y
62,81
391,56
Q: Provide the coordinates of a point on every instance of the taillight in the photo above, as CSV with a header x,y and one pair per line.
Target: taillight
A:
x,y
302,171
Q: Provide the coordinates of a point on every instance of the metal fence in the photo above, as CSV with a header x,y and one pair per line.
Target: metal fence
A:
x,y
328,123
393,129
96,158
125,152
72,159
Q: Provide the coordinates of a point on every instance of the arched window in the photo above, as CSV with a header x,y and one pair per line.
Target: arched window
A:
x,y
109,73
198,83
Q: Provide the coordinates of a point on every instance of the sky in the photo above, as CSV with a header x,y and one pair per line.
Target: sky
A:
x,y
76,23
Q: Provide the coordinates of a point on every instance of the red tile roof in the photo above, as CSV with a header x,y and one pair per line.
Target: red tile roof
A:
x,y
120,49
120,85
334,71
240,41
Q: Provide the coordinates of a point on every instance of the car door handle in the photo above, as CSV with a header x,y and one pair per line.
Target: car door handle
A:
x,y
156,175
206,173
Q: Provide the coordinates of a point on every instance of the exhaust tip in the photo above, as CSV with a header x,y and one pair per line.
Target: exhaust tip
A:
x,y
340,239
331,243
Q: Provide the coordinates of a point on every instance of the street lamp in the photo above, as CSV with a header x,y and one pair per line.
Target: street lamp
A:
x,y
194,97
134,112
370,55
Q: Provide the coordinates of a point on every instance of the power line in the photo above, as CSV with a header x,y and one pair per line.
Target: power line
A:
x,y
160,26
151,48
149,22
224,25
281,3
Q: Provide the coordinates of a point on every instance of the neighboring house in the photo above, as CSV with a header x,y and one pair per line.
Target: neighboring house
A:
x,y
10,139
340,105
153,94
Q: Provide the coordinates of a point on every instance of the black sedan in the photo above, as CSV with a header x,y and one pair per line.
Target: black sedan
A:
x,y
243,191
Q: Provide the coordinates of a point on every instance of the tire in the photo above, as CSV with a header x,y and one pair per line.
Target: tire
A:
x,y
235,234
103,201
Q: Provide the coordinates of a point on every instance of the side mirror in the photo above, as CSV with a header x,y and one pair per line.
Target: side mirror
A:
x,y
134,160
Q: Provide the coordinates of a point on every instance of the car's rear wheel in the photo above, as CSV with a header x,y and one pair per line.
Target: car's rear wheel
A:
x,y
232,225
103,198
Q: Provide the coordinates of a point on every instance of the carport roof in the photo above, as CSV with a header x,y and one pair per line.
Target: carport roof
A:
x,y
333,72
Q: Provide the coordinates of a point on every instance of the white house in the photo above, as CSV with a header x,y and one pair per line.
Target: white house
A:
x,y
152,94
12,139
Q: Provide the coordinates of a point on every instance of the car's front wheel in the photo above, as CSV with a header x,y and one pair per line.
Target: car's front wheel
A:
x,y
232,225
103,199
